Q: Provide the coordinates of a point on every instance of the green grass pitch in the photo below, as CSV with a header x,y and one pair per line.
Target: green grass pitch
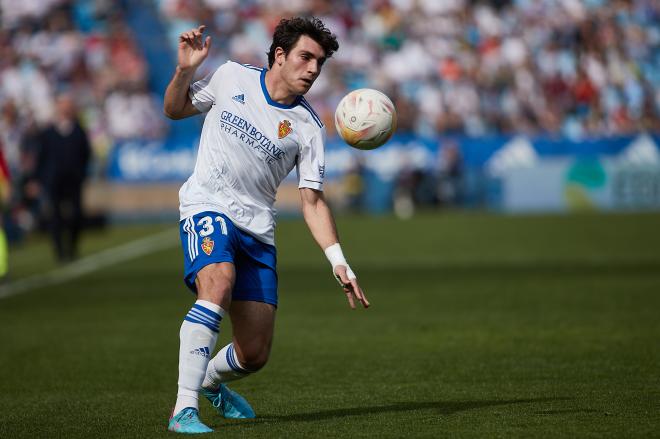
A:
x,y
481,326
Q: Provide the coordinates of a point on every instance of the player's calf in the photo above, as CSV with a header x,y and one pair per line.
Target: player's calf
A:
x,y
226,367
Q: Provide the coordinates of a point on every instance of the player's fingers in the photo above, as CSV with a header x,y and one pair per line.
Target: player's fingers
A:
x,y
197,33
364,300
343,276
207,45
185,38
359,294
356,289
349,296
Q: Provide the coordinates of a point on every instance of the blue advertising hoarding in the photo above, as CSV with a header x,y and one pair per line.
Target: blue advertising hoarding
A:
x,y
511,173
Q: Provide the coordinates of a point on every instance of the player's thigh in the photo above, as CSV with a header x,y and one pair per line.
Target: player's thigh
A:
x,y
215,283
209,241
253,325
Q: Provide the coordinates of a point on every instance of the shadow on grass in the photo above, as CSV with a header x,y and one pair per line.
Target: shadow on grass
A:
x,y
441,407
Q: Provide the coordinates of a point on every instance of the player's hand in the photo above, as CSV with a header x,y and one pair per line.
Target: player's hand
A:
x,y
351,287
192,49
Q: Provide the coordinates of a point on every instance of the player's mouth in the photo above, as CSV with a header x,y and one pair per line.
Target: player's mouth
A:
x,y
308,82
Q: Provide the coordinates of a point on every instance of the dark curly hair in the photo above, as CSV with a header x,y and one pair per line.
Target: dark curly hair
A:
x,y
289,30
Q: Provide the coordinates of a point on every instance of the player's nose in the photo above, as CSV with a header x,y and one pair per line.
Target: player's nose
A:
x,y
313,67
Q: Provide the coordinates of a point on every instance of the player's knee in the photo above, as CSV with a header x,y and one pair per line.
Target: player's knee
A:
x,y
255,360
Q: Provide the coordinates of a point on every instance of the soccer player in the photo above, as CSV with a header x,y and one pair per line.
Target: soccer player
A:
x,y
258,126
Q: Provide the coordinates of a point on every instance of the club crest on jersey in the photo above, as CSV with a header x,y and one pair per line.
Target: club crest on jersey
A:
x,y
284,129
207,245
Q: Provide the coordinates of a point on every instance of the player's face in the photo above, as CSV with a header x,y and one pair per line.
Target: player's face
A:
x,y
302,65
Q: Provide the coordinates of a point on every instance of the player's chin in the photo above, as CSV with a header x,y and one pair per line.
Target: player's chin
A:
x,y
304,87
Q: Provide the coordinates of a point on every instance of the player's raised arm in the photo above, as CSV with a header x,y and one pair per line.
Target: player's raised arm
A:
x,y
193,50
321,224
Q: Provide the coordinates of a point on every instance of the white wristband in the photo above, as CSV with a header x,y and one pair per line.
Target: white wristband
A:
x,y
336,257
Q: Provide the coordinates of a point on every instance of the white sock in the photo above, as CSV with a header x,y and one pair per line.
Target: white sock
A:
x,y
223,368
198,334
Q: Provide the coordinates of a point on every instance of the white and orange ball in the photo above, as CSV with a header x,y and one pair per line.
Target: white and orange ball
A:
x,y
365,118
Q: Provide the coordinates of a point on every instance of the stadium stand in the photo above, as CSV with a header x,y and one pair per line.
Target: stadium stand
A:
x,y
565,68
478,68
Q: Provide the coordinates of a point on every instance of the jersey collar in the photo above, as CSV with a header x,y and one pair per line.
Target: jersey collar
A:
x,y
267,96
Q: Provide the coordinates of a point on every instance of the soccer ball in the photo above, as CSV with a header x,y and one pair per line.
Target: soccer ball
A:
x,y
365,118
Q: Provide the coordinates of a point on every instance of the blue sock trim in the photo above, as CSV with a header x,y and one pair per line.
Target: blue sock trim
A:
x,y
214,315
232,361
213,328
204,316
199,316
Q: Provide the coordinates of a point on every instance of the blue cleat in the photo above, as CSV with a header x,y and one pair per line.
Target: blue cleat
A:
x,y
229,403
187,421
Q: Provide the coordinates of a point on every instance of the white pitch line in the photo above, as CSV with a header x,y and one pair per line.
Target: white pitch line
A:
x,y
89,264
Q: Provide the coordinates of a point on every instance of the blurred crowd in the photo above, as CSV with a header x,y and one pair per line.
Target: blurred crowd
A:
x,y
84,48
81,49
570,67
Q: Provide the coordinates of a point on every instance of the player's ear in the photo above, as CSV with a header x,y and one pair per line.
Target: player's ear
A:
x,y
280,56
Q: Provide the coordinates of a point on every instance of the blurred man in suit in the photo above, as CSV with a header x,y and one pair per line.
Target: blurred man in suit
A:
x,y
63,156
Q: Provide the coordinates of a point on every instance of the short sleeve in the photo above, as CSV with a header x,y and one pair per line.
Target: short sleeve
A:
x,y
203,92
310,166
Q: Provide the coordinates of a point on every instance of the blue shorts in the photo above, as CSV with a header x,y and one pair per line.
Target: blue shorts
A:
x,y
211,237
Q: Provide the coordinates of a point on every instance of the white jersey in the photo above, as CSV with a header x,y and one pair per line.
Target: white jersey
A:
x,y
249,144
